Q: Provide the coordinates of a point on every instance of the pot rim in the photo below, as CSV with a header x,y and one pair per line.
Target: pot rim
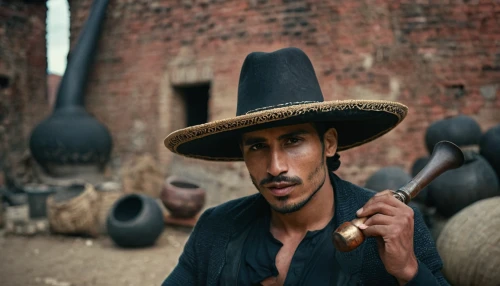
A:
x,y
174,178
141,197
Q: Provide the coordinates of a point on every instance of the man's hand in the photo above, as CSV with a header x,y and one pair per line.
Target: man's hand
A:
x,y
391,222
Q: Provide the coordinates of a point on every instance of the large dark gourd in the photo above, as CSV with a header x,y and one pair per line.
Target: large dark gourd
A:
x,y
70,140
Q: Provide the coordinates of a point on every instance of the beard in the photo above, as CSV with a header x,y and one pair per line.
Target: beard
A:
x,y
286,209
290,208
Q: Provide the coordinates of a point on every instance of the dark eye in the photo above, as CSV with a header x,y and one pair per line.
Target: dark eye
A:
x,y
292,140
257,146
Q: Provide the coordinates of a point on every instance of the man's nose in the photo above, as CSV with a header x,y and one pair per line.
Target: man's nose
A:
x,y
277,163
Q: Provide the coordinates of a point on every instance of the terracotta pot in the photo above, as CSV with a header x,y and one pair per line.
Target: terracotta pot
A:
x,y
182,198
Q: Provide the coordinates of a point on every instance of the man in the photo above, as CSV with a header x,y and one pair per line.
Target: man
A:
x,y
288,137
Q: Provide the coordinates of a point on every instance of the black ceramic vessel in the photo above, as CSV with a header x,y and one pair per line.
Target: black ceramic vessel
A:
x,y
490,147
456,189
391,178
462,130
135,220
417,166
70,139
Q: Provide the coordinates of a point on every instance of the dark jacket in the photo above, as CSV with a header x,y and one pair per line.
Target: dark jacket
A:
x,y
205,255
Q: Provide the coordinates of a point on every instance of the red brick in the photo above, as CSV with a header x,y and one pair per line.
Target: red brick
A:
x,y
23,103
425,53
425,48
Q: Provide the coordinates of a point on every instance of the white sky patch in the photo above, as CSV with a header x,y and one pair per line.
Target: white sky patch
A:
x,y
57,35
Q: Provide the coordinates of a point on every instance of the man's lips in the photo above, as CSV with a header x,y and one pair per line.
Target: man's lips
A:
x,y
280,189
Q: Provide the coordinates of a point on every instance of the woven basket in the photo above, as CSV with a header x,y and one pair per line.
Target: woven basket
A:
x,y
469,245
142,175
77,215
107,197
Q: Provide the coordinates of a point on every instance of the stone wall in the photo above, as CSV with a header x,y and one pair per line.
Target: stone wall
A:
x,y
439,59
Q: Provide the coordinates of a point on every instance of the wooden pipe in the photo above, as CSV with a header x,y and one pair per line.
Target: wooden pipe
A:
x,y
444,157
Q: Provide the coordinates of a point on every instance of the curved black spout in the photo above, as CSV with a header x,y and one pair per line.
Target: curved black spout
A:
x,y
72,88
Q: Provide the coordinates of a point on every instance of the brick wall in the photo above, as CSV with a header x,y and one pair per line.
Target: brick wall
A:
x,y
439,59
23,65
53,81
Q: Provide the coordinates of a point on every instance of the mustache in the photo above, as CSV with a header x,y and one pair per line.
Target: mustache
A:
x,y
281,179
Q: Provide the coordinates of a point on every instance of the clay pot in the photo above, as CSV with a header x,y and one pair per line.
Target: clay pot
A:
x,y
393,178
490,148
387,178
135,220
462,130
182,198
418,165
456,189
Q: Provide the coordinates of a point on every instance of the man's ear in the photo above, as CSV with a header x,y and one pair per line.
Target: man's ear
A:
x,y
330,139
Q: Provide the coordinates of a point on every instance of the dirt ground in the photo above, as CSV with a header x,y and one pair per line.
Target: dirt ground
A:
x,y
73,261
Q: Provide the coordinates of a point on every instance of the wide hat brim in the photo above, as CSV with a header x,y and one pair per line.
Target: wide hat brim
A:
x,y
357,122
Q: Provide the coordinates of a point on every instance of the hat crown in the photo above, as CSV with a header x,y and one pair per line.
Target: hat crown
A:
x,y
277,79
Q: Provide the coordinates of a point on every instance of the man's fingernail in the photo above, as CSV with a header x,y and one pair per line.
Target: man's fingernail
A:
x,y
359,211
362,226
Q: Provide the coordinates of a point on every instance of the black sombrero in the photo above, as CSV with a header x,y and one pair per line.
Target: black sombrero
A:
x,y
281,88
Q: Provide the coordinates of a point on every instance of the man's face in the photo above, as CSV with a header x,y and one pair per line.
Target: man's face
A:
x,y
287,164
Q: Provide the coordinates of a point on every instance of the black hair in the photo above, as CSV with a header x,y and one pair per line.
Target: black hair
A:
x,y
332,163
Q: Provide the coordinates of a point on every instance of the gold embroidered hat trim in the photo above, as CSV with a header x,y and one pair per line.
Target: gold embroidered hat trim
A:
x,y
379,117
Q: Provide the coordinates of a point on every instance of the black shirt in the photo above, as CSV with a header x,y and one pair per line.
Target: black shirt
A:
x,y
313,262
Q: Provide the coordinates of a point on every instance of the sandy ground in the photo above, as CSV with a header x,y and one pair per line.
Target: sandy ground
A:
x,y
63,260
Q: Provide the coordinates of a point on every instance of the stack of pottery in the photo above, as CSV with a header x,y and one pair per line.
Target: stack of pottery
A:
x,y
475,180
456,189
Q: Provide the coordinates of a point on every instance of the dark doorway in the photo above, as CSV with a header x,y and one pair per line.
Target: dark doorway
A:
x,y
4,81
195,99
